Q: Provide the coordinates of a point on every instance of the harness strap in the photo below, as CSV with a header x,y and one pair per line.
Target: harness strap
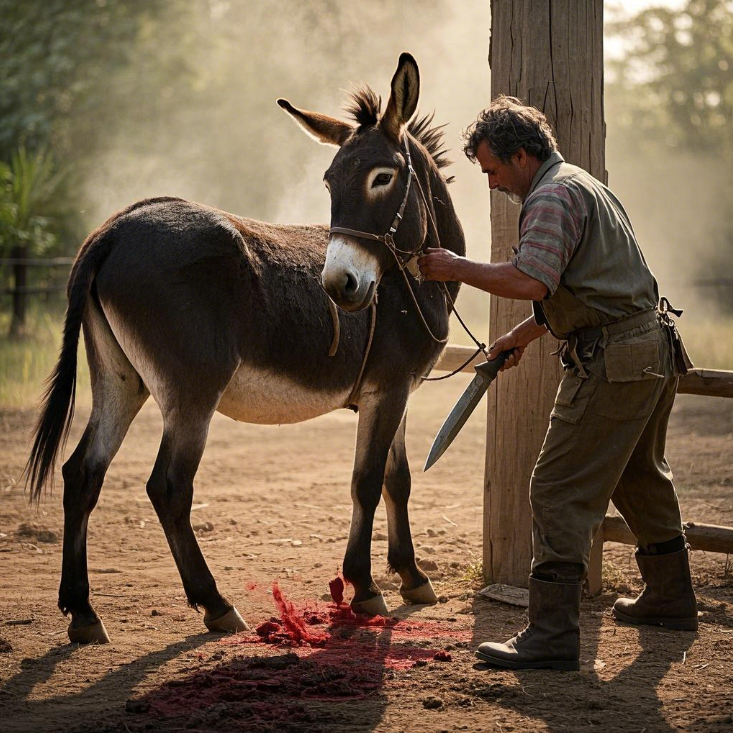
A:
x,y
356,233
402,264
351,400
333,310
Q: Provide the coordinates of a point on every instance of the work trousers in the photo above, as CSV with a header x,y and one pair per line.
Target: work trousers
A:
x,y
606,442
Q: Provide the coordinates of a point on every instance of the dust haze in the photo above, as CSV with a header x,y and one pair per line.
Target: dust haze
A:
x,y
210,129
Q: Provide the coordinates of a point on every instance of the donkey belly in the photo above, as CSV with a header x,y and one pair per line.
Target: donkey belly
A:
x,y
260,396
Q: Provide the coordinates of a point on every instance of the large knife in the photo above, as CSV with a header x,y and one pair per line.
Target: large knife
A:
x,y
485,375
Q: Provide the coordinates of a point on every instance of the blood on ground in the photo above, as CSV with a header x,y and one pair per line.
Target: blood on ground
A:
x,y
333,654
340,630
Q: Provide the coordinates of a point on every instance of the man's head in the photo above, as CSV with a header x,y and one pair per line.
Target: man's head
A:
x,y
510,141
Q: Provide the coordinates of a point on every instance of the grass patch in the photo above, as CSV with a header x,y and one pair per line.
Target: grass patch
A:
x,y
473,575
615,580
26,363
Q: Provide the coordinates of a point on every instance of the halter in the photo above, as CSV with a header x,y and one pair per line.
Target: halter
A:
x,y
388,240
388,237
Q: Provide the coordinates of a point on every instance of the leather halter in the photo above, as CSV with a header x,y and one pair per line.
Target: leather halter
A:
x,y
402,262
388,237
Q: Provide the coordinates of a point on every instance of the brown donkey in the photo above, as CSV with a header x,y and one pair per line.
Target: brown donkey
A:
x,y
207,311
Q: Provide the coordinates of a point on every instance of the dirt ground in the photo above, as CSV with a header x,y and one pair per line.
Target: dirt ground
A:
x,y
272,503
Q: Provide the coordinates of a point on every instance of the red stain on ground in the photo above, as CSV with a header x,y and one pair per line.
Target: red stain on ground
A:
x,y
336,586
296,626
331,654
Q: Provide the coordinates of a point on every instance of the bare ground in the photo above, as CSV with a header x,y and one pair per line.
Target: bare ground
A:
x,y
273,503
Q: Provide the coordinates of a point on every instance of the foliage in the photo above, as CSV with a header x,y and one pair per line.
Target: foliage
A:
x,y
669,106
675,83
28,186
56,58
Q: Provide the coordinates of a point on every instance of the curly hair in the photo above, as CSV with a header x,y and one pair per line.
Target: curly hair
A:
x,y
507,125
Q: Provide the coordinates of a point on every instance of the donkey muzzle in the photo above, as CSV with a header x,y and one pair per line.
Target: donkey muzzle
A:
x,y
350,275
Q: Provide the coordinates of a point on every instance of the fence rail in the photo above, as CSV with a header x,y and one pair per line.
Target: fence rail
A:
x,y
710,382
50,262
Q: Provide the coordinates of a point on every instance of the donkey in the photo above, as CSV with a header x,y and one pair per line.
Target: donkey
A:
x,y
207,311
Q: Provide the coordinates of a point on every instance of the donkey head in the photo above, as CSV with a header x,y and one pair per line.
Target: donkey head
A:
x,y
368,182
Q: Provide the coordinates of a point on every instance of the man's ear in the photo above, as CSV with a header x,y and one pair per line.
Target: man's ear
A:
x,y
327,130
403,98
522,159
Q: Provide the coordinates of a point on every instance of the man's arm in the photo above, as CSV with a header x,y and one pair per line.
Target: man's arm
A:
x,y
502,279
517,341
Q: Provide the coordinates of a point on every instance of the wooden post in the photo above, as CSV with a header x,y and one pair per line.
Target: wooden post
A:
x,y
549,53
20,294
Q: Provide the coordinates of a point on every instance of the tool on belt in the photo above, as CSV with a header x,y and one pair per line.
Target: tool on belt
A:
x,y
485,375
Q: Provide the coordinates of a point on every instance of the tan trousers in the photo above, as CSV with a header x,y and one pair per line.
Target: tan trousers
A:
x,y
606,442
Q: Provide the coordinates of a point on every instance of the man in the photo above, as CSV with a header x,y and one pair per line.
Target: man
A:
x,y
580,264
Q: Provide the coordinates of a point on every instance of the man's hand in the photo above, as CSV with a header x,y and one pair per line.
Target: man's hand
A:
x,y
439,264
507,342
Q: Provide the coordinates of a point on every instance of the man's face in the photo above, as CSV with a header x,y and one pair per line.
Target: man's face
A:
x,y
509,178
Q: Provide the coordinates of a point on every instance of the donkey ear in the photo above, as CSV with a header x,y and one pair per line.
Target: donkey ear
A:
x,y
403,99
326,130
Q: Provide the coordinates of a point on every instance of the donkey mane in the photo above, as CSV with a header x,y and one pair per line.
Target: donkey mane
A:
x,y
365,106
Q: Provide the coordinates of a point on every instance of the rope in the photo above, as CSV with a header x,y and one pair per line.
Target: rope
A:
x,y
459,369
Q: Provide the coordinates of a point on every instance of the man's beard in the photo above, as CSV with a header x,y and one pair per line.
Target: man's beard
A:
x,y
515,198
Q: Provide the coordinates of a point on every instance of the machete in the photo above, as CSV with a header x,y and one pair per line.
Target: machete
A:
x,y
485,375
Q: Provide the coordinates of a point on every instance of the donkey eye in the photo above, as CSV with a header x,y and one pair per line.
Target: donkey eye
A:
x,y
382,179
328,188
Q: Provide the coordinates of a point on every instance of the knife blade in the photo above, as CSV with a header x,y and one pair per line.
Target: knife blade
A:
x,y
485,375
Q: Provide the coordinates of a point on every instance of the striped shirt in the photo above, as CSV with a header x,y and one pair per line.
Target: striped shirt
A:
x,y
574,232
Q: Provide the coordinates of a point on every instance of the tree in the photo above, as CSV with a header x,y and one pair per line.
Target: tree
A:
x,y
669,103
677,75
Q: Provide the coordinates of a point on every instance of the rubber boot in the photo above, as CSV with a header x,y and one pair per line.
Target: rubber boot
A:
x,y
667,599
552,638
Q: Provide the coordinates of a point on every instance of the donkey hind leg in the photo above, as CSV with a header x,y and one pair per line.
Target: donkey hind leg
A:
x,y
117,395
170,489
416,586
379,419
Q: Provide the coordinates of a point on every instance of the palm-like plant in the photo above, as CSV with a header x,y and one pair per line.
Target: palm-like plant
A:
x,y
28,186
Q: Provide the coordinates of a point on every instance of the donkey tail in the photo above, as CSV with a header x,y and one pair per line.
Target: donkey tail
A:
x,y
57,406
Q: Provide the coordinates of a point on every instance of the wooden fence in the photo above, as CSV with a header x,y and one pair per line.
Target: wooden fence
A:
x,y
708,382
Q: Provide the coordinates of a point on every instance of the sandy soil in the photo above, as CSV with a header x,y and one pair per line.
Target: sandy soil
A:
x,y
272,503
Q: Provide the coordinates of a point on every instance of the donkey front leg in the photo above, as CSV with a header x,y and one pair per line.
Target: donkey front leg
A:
x,y
170,489
379,418
416,586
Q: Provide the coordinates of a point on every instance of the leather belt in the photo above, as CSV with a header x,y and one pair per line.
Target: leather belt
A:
x,y
620,326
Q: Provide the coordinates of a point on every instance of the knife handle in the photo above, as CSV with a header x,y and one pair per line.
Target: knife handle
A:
x,y
489,369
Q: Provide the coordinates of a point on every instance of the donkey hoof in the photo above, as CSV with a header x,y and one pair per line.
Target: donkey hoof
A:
x,y
230,622
89,634
371,607
422,594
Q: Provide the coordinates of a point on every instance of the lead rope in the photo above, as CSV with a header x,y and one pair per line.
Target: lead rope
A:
x,y
480,347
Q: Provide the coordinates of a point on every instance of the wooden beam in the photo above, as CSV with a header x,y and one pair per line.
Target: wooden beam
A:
x,y
708,537
550,55
710,382
594,581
